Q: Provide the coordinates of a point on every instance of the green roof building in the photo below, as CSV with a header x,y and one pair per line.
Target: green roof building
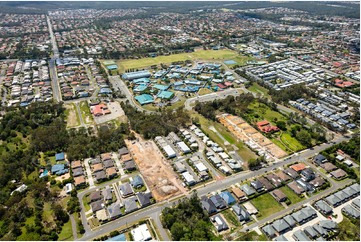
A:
x,y
144,99
165,95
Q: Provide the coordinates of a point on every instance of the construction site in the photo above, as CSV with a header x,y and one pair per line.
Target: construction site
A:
x,y
163,182
249,135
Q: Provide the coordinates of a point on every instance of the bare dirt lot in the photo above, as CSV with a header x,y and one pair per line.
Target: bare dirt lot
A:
x,y
244,131
72,118
157,172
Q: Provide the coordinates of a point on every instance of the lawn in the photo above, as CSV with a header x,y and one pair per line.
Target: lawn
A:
x,y
281,145
204,91
85,202
197,55
47,213
85,112
231,218
349,230
251,236
266,205
291,142
66,232
77,219
261,111
256,88
293,197
28,236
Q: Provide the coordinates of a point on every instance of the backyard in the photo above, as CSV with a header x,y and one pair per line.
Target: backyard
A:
x,y
293,197
266,205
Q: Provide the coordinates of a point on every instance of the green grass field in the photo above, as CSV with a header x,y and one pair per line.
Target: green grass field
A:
x,y
256,88
349,230
231,218
266,205
66,232
293,197
261,111
85,202
85,112
211,55
204,91
251,236
291,142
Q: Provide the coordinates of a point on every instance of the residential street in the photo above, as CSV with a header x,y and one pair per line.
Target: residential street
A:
x,y
211,187
53,74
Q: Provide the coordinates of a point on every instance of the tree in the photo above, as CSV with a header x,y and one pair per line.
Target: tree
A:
x,y
304,137
281,125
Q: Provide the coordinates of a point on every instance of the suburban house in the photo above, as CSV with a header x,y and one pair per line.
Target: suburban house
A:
x,y
144,199
126,190
241,213
248,190
279,195
323,207
227,197
256,184
137,182
240,195
208,205
219,222
218,201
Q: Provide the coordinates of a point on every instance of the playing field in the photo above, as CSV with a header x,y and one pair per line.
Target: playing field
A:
x,y
209,55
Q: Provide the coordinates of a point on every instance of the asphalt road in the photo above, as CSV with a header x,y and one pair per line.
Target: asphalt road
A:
x,y
73,226
156,209
119,84
55,84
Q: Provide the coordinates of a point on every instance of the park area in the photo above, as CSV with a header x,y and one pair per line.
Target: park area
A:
x,y
201,55
161,179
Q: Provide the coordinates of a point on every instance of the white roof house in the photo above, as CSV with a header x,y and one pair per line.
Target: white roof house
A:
x,y
189,179
141,233
169,151
201,167
183,147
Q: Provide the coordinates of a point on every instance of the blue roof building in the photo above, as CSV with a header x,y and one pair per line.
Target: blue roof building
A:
x,y
141,81
112,67
140,88
227,197
58,169
137,181
165,95
105,90
144,99
60,156
120,237
161,87
136,75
